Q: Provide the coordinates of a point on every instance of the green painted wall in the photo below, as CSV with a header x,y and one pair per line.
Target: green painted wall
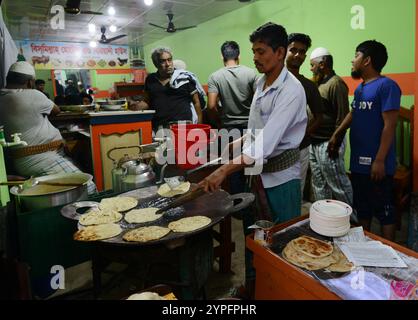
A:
x,y
106,81
328,22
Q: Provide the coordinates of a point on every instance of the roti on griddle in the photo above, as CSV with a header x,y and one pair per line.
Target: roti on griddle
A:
x,y
189,224
342,264
146,234
312,247
97,216
119,203
305,261
142,215
98,232
165,191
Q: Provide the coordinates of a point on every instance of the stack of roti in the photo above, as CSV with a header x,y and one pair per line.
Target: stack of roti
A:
x,y
99,232
342,264
118,203
146,234
142,215
96,216
189,224
148,295
166,191
313,254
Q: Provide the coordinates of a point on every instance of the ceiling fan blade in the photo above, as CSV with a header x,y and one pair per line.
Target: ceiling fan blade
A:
x,y
185,28
90,12
115,38
156,25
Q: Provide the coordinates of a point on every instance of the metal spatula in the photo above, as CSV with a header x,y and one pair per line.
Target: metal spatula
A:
x,y
25,184
187,197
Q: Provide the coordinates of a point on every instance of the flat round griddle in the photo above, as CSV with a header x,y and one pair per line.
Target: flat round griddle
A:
x,y
215,206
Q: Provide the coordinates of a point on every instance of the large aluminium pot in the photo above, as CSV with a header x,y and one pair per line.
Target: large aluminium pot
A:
x,y
41,196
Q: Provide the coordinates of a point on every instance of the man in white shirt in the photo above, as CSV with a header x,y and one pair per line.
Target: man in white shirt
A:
x,y
25,110
279,111
278,122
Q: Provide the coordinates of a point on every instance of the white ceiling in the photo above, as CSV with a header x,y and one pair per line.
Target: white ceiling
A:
x,y
30,20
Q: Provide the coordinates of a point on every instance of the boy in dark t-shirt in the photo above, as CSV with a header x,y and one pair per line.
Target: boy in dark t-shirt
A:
x,y
372,123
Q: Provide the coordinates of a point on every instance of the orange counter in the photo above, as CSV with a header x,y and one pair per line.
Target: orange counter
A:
x,y
277,279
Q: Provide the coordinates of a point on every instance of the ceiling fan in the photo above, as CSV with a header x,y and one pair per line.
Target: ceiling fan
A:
x,y
104,39
73,7
170,27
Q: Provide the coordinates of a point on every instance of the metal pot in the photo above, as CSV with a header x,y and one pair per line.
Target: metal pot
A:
x,y
40,198
137,175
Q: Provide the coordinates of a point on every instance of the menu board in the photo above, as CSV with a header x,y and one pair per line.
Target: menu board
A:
x,y
64,55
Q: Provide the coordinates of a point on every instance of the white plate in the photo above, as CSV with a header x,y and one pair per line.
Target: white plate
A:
x,y
329,222
331,208
329,233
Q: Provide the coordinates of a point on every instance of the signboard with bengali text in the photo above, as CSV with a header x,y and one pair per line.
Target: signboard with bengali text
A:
x,y
64,55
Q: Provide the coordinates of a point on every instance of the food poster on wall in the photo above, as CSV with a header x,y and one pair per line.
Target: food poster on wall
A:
x,y
63,55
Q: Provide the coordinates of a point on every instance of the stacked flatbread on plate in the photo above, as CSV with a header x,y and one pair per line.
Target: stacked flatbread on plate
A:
x,y
313,254
146,234
189,224
142,215
98,232
96,216
166,191
118,203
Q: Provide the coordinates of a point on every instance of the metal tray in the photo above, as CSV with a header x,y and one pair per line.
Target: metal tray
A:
x,y
215,206
77,108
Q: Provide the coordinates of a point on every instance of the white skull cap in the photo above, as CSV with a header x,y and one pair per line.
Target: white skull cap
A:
x,y
319,52
23,67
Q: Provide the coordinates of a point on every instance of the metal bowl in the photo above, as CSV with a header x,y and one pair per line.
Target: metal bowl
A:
x,y
111,102
111,107
35,198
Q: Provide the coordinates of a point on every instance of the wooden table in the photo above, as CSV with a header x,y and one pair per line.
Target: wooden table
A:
x,y
277,279
226,246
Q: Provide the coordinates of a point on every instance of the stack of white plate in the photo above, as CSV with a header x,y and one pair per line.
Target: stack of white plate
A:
x,y
330,218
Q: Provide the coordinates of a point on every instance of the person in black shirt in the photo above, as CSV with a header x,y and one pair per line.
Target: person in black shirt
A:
x,y
170,100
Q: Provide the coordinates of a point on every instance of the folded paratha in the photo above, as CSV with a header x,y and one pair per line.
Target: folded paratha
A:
x,y
305,261
342,264
312,247
97,216
165,191
146,234
118,203
98,232
142,215
189,224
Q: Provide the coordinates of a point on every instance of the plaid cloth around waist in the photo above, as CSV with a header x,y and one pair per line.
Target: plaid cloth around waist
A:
x,y
32,150
282,161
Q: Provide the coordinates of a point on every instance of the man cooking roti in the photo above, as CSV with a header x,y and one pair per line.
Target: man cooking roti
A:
x,y
278,115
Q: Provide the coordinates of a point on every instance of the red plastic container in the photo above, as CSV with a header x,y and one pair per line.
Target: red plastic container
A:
x,y
191,144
